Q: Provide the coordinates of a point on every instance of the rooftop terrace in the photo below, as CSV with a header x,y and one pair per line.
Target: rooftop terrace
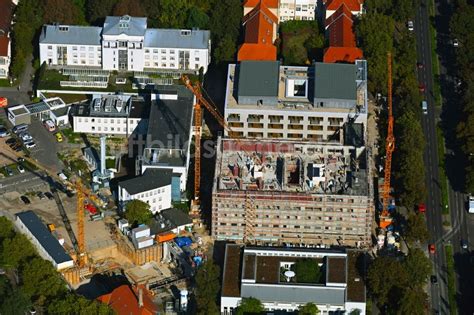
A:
x,y
291,166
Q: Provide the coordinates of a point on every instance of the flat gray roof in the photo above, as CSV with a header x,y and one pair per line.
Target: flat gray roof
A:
x,y
294,293
152,178
70,34
335,81
172,38
258,78
44,237
129,25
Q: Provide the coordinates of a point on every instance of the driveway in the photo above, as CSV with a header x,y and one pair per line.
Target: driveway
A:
x,y
46,148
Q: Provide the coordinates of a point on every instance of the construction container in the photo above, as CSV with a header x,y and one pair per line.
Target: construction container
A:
x,y
122,224
143,242
141,231
165,237
51,227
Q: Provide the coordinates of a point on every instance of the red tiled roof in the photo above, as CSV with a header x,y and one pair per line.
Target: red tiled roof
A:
x,y
124,301
6,11
249,51
259,28
340,29
268,3
342,12
4,42
342,54
353,5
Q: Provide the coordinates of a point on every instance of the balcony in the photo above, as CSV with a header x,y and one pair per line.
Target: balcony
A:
x,y
275,126
295,127
236,124
255,125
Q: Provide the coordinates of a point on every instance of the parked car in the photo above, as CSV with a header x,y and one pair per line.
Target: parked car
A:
x,y
14,143
26,137
30,144
10,141
455,43
49,195
90,207
49,125
421,208
25,200
20,169
432,249
4,132
40,195
8,171
424,107
434,279
20,128
20,160
59,137
410,26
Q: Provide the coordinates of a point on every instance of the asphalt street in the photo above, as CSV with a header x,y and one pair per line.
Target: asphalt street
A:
x,y
463,222
439,293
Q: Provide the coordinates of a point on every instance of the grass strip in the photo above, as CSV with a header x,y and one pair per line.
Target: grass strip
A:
x,y
434,57
451,280
443,180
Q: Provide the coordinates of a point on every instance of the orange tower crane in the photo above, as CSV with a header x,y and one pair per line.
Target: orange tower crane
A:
x,y
385,219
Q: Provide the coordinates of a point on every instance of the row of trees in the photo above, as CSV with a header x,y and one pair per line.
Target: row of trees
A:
x,y
462,28
301,42
378,34
397,285
39,285
222,17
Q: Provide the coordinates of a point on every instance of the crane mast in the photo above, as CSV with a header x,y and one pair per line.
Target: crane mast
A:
x,y
389,148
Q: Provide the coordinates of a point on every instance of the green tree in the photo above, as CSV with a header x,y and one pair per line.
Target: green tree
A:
x,y
308,309
307,271
197,18
173,13
418,267
413,301
375,35
41,282
75,304
16,250
386,279
416,229
97,10
129,7
225,50
15,302
138,212
207,287
6,229
61,11
250,306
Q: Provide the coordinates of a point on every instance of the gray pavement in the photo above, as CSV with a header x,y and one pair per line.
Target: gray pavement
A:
x,y
439,293
46,148
21,183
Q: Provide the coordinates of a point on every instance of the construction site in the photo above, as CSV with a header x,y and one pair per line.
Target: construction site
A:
x,y
292,193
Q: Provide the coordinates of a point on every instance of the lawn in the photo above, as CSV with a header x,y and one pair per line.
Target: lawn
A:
x,y
68,98
5,83
71,136
451,280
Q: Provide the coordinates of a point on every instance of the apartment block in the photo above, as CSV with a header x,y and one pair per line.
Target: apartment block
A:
x,y
125,44
113,115
292,192
268,274
286,10
324,103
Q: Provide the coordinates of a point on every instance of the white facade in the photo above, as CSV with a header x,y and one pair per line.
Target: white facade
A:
x,y
297,10
125,44
357,12
5,62
158,199
105,125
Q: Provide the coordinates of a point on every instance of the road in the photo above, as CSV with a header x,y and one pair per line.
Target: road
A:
x,y
439,293
462,222
462,225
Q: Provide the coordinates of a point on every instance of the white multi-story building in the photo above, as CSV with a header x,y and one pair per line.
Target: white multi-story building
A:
x,y
6,15
125,44
297,10
268,274
153,187
321,103
286,10
114,115
5,55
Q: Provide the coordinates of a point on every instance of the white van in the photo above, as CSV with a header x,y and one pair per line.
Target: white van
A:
x,y
471,204
424,107
49,125
20,128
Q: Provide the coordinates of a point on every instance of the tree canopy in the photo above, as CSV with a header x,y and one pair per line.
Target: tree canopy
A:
x,y
249,306
138,212
207,287
416,228
302,41
418,267
308,309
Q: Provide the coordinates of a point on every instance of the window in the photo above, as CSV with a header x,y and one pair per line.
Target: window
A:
x,y
172,65
163,51
147,51
118,128
83,48
50,47
111,121
98,128
74,47
91,48
155,51
122,44
105,128
171,51
163,65
91,55
196,59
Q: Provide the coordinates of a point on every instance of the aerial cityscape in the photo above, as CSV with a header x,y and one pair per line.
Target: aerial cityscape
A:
x,y
236,157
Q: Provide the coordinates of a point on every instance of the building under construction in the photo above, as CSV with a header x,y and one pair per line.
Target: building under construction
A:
x,y
292,192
